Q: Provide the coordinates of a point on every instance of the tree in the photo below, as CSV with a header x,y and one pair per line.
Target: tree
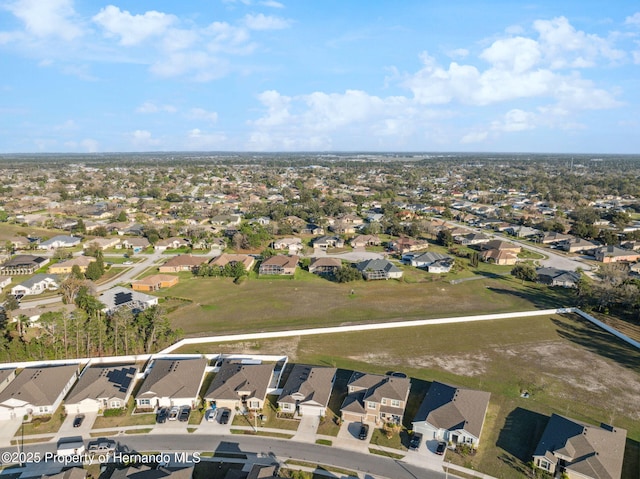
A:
x,y
122,216
71,286
94,271
445,238
346,274
525,272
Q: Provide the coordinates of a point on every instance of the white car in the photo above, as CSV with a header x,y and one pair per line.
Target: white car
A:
x,y
174,413
211,415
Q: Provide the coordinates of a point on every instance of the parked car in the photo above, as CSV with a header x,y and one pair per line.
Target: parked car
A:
x,y
224,416
442,446
162,414
364,432
102,446
77,421
415,441
185,411
211,415
173,413
396,374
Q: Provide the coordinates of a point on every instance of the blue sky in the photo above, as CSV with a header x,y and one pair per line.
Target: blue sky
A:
x,y
325,75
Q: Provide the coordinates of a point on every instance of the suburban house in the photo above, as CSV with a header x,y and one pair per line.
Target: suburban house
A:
x,y
375,398
151,472
552,237
226,258
171,243
500,245
379,269
343,228
613,254
326,242
406,245
240,386
60,241
20,242
183,262
452,414
102,243
279,265
4,282
324,265
100,388
73,473
433,262
558,277
6,376
155,282
500,258
312,229
37,284
172,382
580,450
37,391
471,239
578,245
292,245
362,241
307,390
23,264
65,267
119,297
135,244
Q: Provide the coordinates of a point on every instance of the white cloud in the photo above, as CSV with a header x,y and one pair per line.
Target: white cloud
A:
x,y
265,22
515,120
633,19
199,66
50,18
277,109
516,54
197,140
458,53
150,107
90,145
474,137
133,29
202,114
142,139
272,4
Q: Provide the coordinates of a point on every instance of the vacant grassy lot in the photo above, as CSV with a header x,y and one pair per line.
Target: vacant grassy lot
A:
x,y
567,365
217,305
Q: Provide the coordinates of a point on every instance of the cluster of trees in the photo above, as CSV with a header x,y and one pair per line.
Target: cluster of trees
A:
x,y
615,291
250,236
86,332
230,270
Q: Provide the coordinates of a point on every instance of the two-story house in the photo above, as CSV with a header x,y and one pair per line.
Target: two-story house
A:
x,y
375,398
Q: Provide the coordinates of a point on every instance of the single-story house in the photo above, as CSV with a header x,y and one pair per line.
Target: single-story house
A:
x,y
433,262
119,297
362,241
498,257
279,265
342,228
227,258
293,245
500,245
183,262
171,243
65,267
135,244
552,237
100,388
326,242
155,282
324,265
578,245
452,414
23,264
379,269
580,450
60,241
406,245
73,473
172,382
558,277
307,390
37,391
37,284
472,238
375,398
102,243
4,281
20,242
242,386
613,254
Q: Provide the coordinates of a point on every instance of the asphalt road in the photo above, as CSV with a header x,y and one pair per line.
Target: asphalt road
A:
x,y
277,449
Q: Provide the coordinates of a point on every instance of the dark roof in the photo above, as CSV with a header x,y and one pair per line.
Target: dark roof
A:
x,y
175,378
234,377
311,382
377,265
102,382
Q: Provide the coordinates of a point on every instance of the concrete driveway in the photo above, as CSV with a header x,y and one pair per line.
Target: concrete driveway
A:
x,y
307,429
425,456
348,437
67,429
8,429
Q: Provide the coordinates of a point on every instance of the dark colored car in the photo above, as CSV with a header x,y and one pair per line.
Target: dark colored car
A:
x,y
224,416
162,415
364,432
396,374
77,421
442,446
184,414
415,441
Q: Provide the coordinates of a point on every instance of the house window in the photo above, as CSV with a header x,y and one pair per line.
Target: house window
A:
x,y
144,402
115,404
384,401
395,403
254,404
43,409
286,406
371,405
544,464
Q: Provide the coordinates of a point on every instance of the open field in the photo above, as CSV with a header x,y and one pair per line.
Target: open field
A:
x,y
217,305
567,365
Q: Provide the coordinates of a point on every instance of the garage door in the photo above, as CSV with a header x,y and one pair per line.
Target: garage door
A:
x,y
311,410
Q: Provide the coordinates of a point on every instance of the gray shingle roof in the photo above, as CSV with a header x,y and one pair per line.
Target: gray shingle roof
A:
x,y
234,377
102,382
174,378
313,383
39,386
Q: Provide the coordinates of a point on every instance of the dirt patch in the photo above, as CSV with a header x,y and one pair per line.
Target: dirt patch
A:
x,y
465,365
288,347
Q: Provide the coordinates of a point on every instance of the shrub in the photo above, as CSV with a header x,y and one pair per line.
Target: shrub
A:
x,y
113,412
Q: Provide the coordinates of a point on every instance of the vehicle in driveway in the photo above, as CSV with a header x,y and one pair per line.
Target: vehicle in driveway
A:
x,y
211,415
161,416
396,374
102,446
224,416
173,413
442,446
364,432
415,441
185,411
77,421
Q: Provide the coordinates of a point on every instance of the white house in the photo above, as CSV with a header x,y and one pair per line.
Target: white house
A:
x,y
60,241
120,297
452,414
37,284
100,388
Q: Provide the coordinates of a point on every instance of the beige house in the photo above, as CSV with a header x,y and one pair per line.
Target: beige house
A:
x,y
183,262
613,254
324,265
240,386
102,243
226,258
65,267
100,388
362,241
307,390
375,398
279,265
580,450
155,282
